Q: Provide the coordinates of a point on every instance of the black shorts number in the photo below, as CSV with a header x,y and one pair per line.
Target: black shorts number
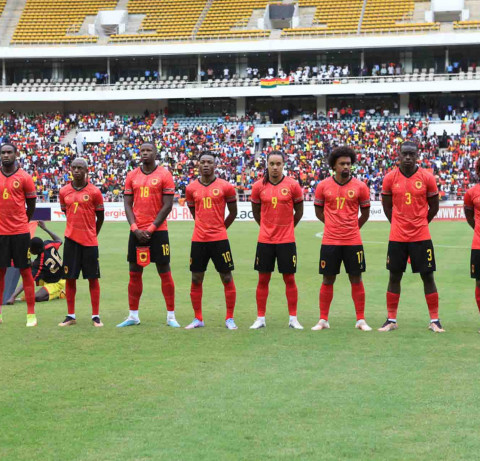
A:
x,y
219,252
332,256
422,256
15,248
284,253
159,248
78,258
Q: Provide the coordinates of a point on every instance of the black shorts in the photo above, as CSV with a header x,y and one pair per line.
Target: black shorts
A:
x,y
284,253
15,248
422,256
475,264
332,256
219,252
159,248
78,258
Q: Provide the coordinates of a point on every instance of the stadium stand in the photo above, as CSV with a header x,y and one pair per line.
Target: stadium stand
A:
x,y
457,25
56,21
167,19
241,160
330,18
225,15
2,5
393,16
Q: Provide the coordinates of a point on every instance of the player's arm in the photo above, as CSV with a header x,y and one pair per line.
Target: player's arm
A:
x,y
232,213
100,214
387,204
433,206
298,210
52,234
320,213
11,300
364,215
164,211
257,211
141,235
31,203
192,210
470,215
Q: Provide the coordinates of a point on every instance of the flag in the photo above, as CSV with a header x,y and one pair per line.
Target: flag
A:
x,y
268,82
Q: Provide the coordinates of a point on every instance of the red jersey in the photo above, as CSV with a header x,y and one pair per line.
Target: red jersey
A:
x,y
148,191
80,207
210,202
471,201
341,203
410,205
277,200
14,190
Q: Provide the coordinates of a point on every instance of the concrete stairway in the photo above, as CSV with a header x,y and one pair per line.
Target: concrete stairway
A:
x,y
9,20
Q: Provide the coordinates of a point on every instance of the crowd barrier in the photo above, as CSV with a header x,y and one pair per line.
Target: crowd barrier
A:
x,y
114,212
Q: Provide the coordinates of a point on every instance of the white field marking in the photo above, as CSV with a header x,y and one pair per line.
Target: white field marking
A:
x,y
371,242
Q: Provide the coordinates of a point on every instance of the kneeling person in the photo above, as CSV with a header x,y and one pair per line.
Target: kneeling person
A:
x,y
82,203
47,269
207,198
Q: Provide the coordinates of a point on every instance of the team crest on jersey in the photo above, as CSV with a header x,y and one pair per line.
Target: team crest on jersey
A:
x,y
284,191
351,193
16,184
86,198
323,264
154,181
418,184
65,268
215,192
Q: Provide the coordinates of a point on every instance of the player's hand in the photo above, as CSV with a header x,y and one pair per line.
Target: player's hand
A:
x,y
10,302
142,236
41,224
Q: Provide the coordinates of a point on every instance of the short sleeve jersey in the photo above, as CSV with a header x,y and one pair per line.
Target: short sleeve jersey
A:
x,y
48,265
277,202
410,204
210,202
14,190
148,191
341,203
472,202
80,206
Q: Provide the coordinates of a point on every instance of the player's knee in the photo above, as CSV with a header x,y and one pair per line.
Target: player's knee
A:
x,y
197,278
395,277
428,277
329,279
163,268
226,277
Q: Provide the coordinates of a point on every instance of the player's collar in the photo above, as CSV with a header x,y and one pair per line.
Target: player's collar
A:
x,y
146,174
409,176
11,174
81,188
206,185
273,184
339,183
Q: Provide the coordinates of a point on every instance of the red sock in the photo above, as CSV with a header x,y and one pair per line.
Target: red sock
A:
x,y
291,291
392,304
135,288
325,299
477,296
262,292
70,293
94,286
230,298
168,290
2,285
29,289
432,303
358,296
196,292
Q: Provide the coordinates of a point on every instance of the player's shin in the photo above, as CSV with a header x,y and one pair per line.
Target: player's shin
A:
x,y
70,292
392,305
29,289
94,287
2,287
432,303
358,296
135,289
196,293
325,300
230,298
262,292
291,292
477,296
168,290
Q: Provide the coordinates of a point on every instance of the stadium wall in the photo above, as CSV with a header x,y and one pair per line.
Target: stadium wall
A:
x,y
449,211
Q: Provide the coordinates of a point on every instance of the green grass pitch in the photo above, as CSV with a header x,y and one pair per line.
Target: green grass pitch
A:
x,y
155,393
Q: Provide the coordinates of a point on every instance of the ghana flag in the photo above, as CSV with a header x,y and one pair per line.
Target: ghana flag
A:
x,y
268,82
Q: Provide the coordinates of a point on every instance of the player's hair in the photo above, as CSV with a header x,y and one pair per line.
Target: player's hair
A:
x,y
409,143
85,163
342,151
36,245
9,144
266,177
152,143
206,153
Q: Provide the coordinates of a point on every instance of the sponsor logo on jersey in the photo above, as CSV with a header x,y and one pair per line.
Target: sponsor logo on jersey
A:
x,y
351,193
418,184
284,191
